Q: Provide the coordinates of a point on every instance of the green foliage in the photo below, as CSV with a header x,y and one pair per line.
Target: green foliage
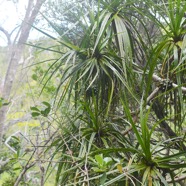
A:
x,y
118,94
107,79
8,182
43,111
3,102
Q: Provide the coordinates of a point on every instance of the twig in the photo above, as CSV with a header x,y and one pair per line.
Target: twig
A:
x,y
86,171
40,163
27,166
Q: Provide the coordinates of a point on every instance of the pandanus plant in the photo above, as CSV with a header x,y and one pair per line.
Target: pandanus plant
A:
x,y
123,84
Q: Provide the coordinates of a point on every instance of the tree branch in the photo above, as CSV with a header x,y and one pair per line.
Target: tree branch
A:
x,y
181,178
158,79
5,32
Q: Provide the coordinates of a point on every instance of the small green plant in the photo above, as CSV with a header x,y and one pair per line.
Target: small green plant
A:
x,y
3,102
102,163
43,110
9,181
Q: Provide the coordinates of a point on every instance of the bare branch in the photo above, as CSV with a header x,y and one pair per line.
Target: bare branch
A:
x,y
177,179
30,163
158,79
5,32
27,166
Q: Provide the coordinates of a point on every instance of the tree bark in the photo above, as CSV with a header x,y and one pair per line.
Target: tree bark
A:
x,y
16,51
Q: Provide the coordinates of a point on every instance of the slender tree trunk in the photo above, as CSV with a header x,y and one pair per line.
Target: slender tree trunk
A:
x,y
16,51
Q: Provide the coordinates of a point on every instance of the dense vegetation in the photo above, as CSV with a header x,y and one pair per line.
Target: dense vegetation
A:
x,y
112,85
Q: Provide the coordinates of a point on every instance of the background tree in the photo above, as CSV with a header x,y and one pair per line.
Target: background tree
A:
x,y
16,50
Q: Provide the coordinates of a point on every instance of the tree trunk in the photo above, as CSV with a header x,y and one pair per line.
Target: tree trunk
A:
x,y
16,51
